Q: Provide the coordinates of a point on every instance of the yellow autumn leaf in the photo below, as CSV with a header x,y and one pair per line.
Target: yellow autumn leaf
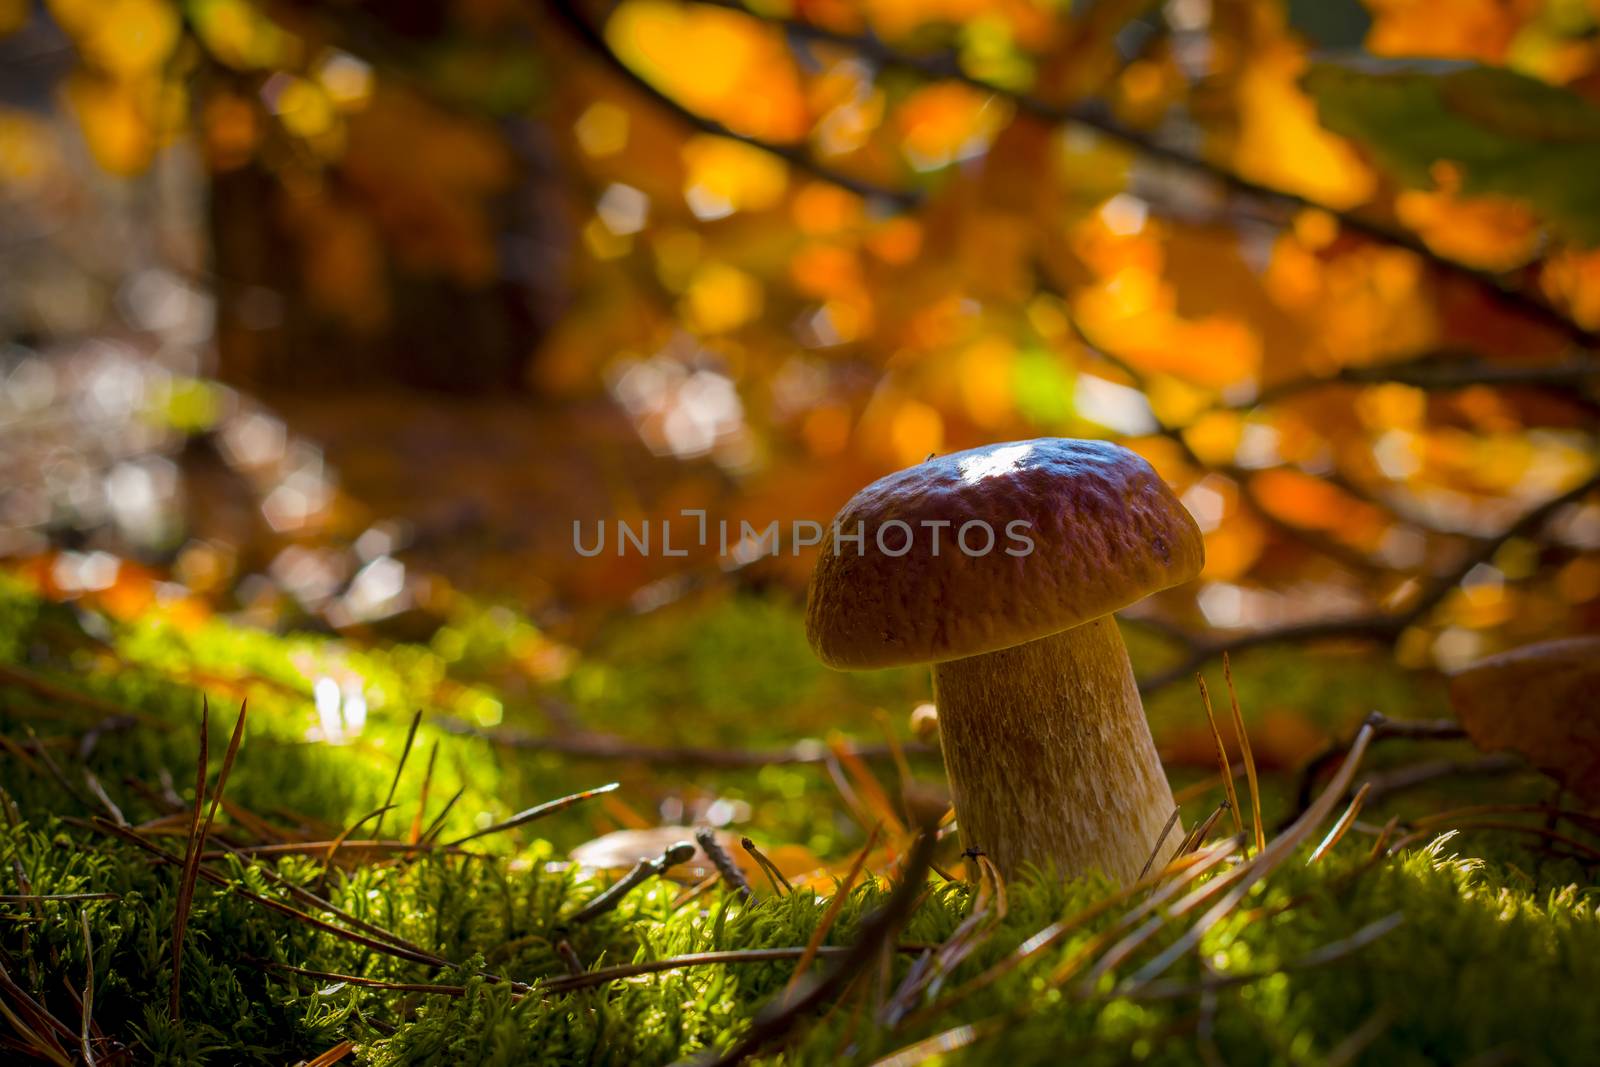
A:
x,y
726,171
1282,144
126,38
720,298
731,67
115,128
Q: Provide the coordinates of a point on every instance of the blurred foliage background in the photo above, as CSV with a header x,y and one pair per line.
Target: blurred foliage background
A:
x,y
317,314
324,322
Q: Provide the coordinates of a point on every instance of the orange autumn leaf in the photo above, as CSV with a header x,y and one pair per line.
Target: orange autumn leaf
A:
x,y
1572,276
1457,29
1305,500
1215,351
1541,701
1233,547
824,270
720,63
1492,232
943,122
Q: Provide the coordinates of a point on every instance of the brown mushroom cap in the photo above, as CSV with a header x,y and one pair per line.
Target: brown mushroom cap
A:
x,y
1106,531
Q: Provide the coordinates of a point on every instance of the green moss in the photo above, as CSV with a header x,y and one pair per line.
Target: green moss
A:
x,y
1497,951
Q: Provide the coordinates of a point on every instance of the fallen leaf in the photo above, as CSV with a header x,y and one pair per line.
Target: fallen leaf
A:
x,y
1541,701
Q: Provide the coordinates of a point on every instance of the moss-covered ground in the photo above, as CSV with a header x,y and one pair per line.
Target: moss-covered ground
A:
x,y
1477,947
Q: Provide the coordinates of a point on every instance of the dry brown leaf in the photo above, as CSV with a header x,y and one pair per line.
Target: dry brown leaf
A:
x,y
1541,701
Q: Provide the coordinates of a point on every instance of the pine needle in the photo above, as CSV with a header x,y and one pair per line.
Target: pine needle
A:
x,y
828,917
88,991
1342,825
1264,862
1384,835
538,811
1203,831
944,1042
868,788
605,975
422,801
334,846
400,768
436,827
1245,751
197,840
1222,754
333,1055
384,946
30,1019
1191,866
1155,850
897,753
191,861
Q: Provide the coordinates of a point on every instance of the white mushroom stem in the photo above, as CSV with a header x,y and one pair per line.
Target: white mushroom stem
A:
x,y
1050,757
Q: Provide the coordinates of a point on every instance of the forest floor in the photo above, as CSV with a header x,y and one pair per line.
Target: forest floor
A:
x,y
346,887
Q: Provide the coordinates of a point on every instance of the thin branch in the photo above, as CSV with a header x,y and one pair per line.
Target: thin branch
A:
x,y
727,870
1383,729
1385,628
1412,775
599,746
1093,114
643,871
1441,371
594,40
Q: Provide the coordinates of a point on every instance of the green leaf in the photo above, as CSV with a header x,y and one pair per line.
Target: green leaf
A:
x,y
1507,134
1043,388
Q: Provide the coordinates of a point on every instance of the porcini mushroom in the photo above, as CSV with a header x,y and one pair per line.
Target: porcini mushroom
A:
x,y
1001,566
